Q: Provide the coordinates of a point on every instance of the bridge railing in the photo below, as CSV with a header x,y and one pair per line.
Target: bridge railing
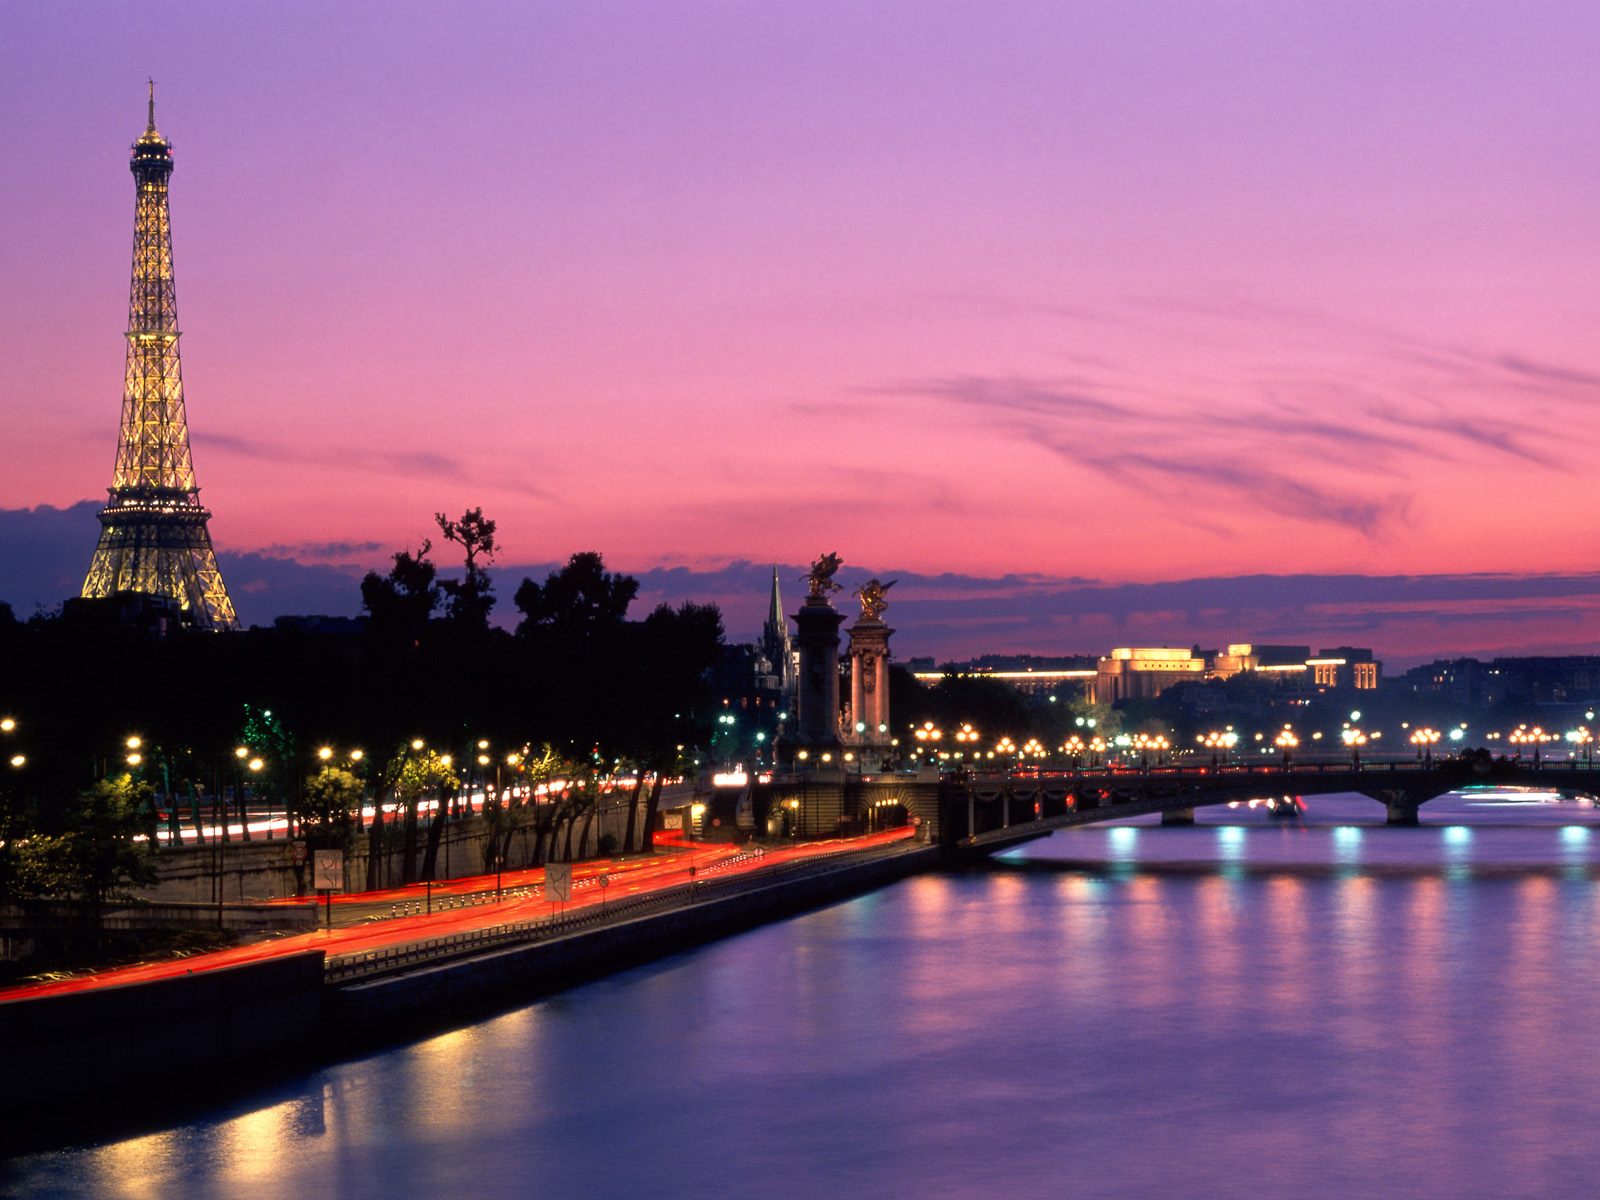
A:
x,y
1346,767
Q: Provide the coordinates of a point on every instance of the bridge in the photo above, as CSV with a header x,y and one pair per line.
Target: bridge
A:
x,y
985,813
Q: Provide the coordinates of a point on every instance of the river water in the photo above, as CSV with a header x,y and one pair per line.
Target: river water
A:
x,y
1245,1008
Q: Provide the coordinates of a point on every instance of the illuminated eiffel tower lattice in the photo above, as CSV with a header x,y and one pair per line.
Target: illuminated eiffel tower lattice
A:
x,y
153,536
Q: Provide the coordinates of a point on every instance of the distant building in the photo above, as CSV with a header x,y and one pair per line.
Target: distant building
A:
x,y
1346,667
1288,661
1060,675
1144,672
153,616
1565,680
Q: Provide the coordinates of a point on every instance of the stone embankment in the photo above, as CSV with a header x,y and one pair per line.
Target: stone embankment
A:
x,y
112,1060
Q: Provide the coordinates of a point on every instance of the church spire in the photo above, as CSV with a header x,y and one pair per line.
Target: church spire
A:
x,y
775,617
775,643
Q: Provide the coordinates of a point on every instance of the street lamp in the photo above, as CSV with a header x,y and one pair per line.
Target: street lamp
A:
x,y
1424,740
1219,742
1354,739
1073,748
1286,741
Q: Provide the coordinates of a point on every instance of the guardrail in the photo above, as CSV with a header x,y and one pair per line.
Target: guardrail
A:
x,y
347,968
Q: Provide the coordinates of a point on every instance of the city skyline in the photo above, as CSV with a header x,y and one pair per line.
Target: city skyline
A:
x,y
1111,318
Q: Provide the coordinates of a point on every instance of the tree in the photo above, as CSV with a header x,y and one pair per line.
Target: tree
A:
x,y
670,699
582,601
327,819
574,634
16,812
400,604
470,598
416,773
88,853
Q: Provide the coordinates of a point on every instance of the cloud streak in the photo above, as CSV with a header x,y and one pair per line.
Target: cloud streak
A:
x,y
44,553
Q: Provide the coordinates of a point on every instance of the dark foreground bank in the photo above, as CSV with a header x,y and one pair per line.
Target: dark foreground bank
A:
x,y
90,1065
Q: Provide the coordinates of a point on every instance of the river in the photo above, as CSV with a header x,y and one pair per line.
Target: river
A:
x,y
1328,1008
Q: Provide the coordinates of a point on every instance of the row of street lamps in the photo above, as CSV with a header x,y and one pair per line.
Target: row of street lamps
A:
x,y
931,741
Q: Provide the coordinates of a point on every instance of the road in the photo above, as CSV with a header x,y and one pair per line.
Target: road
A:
x,y
362,922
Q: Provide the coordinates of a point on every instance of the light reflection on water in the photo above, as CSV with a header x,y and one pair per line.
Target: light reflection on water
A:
x,y
1237,1009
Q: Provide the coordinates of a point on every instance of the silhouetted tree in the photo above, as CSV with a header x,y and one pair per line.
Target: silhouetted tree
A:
x,y
469,599
400,604
573,632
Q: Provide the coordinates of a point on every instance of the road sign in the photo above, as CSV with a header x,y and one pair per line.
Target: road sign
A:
x,y
327,870
299,854
558,881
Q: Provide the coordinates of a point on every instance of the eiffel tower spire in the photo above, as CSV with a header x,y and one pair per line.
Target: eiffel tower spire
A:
x,y
153,535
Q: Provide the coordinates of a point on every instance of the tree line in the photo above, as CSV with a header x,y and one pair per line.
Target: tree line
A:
x,y
402,705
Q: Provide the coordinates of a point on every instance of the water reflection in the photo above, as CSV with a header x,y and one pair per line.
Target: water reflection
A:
x,y
1341,1016
1347,845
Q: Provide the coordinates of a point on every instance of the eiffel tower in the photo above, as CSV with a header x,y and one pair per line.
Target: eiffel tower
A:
x,y
153,536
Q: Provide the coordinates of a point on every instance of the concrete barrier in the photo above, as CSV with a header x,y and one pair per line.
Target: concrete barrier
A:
x,y
79,1064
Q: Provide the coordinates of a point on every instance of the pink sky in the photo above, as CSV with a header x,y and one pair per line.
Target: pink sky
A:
x,y
1128,291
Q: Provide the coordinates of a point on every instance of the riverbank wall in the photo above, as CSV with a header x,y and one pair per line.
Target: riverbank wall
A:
x,y
81,1065
430,998
114,1061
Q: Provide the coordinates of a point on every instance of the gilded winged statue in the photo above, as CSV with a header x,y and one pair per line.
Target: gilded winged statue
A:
x,y
871,595
821,578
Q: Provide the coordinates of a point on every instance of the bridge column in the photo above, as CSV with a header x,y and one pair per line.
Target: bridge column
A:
x,y
1402,809
1178,816
972,814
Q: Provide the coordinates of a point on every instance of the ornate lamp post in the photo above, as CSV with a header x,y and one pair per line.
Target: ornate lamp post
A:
x,y
1286,741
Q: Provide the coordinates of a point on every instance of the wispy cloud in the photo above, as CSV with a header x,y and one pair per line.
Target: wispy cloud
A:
x,y
330,551
346,457
1254,486
1548,372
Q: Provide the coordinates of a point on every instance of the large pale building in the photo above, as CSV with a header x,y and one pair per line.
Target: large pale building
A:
x,y
1143,672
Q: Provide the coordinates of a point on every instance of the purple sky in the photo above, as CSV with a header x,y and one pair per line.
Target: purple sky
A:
x,y
1119,292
